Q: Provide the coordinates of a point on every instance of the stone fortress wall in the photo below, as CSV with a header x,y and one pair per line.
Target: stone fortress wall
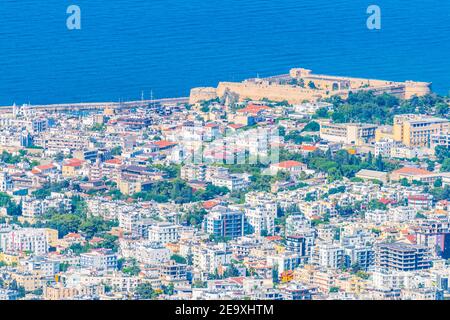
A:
x,y
280,88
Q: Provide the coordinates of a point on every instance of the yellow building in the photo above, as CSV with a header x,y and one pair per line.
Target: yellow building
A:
x,y
384,133
416,130
30,281
109,111
9,259
59,292
52,236
129,187
72,167
352,284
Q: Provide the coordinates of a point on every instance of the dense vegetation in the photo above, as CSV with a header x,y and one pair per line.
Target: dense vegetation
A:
x,y
178,191
369,108
341,164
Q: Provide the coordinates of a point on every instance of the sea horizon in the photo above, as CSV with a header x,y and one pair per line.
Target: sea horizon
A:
x,y
165,48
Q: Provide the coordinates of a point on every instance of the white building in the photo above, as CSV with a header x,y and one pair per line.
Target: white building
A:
x,y
261,219
261,211
32,207
234,182
27,239
164,233
209,258
377,216
5,182
99,260
387,280
330,256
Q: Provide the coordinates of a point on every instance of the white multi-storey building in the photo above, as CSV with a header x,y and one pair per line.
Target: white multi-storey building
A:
x,y
164,232
99,260
27,239
261,218
32,207
330,256
209,258
5,182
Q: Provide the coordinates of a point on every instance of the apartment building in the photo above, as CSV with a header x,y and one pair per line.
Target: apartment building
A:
x,y
225,222
208,258
146,252
6,183
23,240
440,139
402,257
191,172
234,182
348,133
172,271
164,232
330,255
261,218
129,220
99,260
362,256
32,207
417,130
391,279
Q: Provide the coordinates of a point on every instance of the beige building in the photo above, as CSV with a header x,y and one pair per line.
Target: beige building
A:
x,y
60,292
414,130
30,281
408,173
348,133
129,187
372,175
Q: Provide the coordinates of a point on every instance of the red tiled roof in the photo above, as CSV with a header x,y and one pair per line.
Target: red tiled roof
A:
x,y
274,238
210,204
74,162
114,161
164,143
308,148
411,171
288,164
386,201
73,235
411,238
96,240
239,280
45,167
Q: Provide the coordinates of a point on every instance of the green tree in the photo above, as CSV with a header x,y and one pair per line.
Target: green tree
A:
x,y
312,126
178,259
445,165
145,291
131,268
437,183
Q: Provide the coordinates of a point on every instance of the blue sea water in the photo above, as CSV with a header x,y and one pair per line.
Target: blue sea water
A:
x,y
168,46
